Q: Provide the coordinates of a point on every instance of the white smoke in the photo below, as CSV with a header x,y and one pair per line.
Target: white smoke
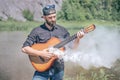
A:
x,y
98,48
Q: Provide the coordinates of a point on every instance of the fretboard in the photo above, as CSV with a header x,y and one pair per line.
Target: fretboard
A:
x,y
64,42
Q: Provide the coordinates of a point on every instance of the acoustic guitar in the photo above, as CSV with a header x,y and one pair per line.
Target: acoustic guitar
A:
x,y
42,64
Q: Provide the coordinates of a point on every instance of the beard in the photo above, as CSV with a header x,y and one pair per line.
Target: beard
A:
x,y
51,23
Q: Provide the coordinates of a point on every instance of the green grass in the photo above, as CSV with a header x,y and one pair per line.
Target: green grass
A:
x,y
72,26
76,72
17,26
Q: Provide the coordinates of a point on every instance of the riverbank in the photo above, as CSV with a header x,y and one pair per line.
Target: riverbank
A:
x,y
27,26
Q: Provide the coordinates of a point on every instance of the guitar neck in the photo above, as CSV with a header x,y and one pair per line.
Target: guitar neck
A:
x,y
64,42
85,30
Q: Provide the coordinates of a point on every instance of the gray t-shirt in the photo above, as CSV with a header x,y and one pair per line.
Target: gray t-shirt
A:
x,y
42,34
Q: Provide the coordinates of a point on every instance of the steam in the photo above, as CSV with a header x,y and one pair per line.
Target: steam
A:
x,y
99,48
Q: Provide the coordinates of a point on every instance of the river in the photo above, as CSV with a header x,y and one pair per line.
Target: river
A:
x,y
14,65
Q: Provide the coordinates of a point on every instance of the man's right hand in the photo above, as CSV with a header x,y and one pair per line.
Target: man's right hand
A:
x,y
46,54
43,53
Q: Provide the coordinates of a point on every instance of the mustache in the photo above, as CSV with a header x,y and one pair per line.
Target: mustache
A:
x,y
52,23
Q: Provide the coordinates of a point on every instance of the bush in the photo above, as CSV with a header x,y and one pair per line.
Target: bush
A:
x,y
28,15
0,18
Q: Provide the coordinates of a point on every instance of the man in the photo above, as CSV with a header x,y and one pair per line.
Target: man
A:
x,y
42,34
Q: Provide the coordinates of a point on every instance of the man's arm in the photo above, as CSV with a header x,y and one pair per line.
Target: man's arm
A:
x,y
80,34
30,51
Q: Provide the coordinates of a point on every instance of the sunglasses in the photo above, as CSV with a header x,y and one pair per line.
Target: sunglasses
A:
x,y
49,7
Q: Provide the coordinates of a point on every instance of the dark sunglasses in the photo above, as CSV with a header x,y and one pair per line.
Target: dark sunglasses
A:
x,y
50,6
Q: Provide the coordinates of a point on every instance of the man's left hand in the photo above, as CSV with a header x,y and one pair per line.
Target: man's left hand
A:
x,y
80,34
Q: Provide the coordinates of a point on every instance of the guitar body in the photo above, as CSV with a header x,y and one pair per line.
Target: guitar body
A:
x,y
39,63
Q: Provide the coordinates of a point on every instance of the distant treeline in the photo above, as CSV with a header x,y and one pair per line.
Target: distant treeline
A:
x,y
90,9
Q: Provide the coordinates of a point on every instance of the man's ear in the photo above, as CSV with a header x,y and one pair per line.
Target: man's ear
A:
x,y
43,17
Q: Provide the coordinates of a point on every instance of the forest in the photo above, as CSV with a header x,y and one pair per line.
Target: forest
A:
x,y
75,10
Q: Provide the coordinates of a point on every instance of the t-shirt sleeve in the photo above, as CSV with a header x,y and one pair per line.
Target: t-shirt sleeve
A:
x,y
31,39
66,33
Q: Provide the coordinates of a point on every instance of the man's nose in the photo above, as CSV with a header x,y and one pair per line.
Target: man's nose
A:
x,y
53,19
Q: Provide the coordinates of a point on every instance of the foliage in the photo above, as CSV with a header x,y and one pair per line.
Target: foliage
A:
x,y
17,26
72,26
11,19
28,15
90,9
116,10
76,72
0,18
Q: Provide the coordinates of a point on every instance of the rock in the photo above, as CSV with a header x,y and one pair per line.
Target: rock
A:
x,y
14,8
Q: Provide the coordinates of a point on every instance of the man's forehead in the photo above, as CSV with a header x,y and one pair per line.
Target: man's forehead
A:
x,y
50,15
52,11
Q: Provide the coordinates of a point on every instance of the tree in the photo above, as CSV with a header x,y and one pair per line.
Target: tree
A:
x,y
90,9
